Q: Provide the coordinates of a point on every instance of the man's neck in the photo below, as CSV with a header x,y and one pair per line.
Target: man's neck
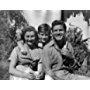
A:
x,y
60,43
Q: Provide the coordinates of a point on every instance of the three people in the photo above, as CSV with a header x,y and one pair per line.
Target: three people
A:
x,y
43,54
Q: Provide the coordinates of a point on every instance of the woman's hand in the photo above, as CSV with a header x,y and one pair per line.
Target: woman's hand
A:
x,y
30,76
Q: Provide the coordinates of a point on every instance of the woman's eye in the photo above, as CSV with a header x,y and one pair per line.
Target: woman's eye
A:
x,y
42,34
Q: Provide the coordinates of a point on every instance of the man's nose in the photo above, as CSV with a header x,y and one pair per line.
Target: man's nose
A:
x,y
29,38
58,31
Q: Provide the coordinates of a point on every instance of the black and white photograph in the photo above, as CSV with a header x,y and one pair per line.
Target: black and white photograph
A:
x,y
44,44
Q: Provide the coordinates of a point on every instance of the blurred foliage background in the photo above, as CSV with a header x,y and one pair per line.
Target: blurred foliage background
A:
x,y
10,20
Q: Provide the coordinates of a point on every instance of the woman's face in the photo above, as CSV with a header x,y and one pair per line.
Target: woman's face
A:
x,y
30,38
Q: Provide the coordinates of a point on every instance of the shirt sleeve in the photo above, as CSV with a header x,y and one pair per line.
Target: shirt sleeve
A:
x,y
57,60
46,59
13,54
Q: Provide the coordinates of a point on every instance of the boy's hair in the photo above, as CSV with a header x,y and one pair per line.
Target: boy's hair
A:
x,y
44,28
28,29
59,22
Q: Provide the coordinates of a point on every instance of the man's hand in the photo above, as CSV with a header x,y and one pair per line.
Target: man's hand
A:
x,y
52,74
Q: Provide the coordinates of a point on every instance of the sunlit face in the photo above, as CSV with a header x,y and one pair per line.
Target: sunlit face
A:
x,y
30,38
58,32
44,37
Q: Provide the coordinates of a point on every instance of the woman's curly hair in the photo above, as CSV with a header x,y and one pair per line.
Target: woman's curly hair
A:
x,y
29,29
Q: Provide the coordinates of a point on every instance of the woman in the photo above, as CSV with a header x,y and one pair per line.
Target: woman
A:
x,y
26,65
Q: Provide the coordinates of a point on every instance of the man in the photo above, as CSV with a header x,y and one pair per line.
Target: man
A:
x,y
53,51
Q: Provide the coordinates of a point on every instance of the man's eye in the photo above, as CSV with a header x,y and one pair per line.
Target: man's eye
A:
x,y
61,29
27,36
32,36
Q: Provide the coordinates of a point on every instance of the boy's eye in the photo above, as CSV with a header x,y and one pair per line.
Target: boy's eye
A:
x,y
42,34
47,34
58,30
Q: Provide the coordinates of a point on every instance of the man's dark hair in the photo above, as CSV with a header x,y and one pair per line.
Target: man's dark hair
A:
x,y
59,22
44,28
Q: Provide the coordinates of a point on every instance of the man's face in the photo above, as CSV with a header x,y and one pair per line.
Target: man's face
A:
x,y
29,37
58,32
44,37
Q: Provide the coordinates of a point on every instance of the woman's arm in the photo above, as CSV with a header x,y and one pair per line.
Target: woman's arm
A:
x,y
14,71
39,67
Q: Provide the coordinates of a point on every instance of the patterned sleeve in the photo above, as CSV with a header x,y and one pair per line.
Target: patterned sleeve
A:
x,y
13,54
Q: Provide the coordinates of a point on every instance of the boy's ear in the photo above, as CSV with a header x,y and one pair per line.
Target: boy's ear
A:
x,y
38,34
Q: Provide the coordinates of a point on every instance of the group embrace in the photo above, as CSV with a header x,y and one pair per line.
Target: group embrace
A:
x,y
39,54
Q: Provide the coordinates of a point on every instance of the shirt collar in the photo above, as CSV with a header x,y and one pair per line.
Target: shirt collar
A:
x,y
57,47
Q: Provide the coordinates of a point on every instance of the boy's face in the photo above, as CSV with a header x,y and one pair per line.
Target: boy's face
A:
x,y
44,37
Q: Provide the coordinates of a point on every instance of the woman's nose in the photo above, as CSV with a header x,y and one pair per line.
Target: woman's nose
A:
x,y
58,31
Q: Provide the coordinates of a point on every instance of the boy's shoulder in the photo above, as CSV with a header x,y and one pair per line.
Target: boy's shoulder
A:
x,y
50,44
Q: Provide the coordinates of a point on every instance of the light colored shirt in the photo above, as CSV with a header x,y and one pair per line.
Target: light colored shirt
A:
x,y
31,54
52,58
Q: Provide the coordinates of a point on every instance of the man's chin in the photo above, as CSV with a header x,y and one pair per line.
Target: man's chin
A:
x,y
58,38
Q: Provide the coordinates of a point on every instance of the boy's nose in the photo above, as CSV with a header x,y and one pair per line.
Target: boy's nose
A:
x,y
44,36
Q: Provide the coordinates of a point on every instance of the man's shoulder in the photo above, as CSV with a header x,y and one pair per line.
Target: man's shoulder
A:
x,y
49,47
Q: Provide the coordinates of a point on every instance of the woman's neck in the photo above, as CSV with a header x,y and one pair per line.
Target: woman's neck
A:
x,y
34,46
